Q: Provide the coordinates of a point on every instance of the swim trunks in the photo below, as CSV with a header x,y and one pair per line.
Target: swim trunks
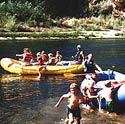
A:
x,y
75,111
109,106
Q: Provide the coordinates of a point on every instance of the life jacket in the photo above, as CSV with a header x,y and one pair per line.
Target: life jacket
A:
x,y
79,57
44,58
40,61
52,61
28,57
90,66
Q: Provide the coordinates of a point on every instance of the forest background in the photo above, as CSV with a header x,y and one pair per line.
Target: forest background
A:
x,y
61,18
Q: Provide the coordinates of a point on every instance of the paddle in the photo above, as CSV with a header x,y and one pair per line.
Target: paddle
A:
x,y
99,68
75,75
109,72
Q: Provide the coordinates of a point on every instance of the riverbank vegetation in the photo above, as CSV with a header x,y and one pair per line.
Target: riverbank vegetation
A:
x,y
60,18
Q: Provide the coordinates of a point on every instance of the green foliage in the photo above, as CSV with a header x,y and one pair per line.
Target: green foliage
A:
x,y
15,14
3,21
2,9
94,11
91,27
22,10
106,10
112,23
11,23
62,8
119,34
39,35
8,22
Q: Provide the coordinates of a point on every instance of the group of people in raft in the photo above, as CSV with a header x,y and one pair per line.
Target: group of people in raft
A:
x,y
85,94
43,59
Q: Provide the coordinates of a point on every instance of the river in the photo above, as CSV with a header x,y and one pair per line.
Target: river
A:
x,y
27,100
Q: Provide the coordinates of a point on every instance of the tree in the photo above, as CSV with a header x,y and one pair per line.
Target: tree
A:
x,y
65,7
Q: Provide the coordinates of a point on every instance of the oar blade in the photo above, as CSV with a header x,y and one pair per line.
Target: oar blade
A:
x,y
69,75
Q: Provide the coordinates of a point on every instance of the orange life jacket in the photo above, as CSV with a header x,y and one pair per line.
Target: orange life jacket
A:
x,y
28,57
52,61
44,58
40,61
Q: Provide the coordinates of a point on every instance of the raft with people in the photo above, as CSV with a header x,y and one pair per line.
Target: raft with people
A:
x,y
109,79
16,66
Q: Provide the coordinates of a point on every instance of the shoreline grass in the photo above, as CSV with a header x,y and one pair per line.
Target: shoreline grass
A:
x,y
63,35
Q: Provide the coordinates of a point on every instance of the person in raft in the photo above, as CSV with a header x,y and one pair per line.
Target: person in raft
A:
x,y
91,65
39,60
44,57
107,93
26,56
75,98
88,91
51,59
58,56
79,56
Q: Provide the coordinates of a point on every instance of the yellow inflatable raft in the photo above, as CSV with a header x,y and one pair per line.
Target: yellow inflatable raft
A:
x,y
15,66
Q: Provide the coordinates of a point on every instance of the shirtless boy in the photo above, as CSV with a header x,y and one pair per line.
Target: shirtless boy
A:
x,y
75,99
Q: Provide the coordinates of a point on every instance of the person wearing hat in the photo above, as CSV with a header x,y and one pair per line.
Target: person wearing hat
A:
x,y
79,56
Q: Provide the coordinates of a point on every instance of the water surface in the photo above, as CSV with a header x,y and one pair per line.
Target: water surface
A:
x,y
26,100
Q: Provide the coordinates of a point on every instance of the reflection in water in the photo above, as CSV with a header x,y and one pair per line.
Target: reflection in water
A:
x,y
15,86
25,99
